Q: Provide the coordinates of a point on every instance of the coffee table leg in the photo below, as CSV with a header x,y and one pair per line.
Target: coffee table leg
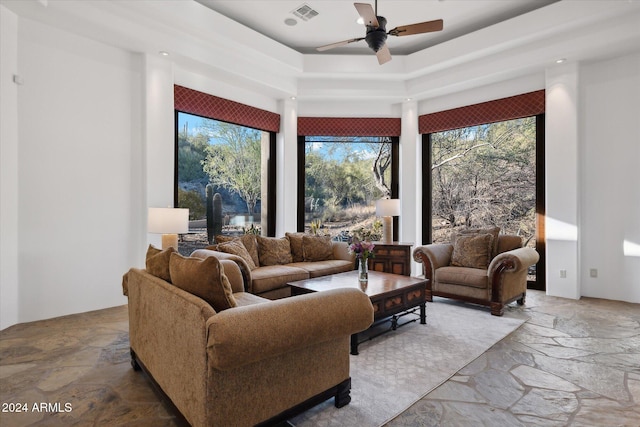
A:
x,y
354,344
423,313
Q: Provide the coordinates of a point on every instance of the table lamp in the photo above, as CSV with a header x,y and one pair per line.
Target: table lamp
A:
x,y
169,222
387,208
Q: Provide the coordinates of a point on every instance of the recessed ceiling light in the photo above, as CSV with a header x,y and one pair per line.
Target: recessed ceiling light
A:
x,y
163,53
290,22
293,98
560,61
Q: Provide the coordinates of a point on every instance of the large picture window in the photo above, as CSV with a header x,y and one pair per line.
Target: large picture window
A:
x,y
485,175
222,177
343,177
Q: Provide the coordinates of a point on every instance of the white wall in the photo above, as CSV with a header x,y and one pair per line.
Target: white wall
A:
x,y
79,149
609,178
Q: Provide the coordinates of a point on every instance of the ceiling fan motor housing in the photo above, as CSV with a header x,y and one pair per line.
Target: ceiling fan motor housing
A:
x,y
377,36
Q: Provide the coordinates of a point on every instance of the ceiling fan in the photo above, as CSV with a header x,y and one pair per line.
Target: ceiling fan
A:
x,y
376,35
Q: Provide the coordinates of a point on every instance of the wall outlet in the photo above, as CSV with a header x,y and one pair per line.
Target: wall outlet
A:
x,y
593,272
563,274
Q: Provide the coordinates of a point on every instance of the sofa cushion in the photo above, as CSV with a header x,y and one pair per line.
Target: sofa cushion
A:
x,y
157,262
295,240
274,251
204,278
236,247
271,277
324,268
472,250
494,231
317,248
249,242
464,276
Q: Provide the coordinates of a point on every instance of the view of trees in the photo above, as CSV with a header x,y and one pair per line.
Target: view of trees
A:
x,y
344,178
223,154
485,175
481,176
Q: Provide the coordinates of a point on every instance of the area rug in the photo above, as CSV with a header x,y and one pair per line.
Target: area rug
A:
x,y
395,370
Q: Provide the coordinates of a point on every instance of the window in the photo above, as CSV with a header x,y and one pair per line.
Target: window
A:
x,y
482,176
340,180
222,176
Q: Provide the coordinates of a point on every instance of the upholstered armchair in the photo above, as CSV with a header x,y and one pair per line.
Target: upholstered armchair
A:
x,y
481,268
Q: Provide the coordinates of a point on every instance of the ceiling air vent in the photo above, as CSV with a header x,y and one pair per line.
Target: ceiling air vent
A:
x,y
305,12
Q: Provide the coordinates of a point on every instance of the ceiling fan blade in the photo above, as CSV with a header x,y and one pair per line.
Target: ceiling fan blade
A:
x,y
368,15
423,27
383,54
338,44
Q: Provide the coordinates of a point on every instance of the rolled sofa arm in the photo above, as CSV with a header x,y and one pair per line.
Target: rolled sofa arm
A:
x,y
432,257
245,335
514,260
242,264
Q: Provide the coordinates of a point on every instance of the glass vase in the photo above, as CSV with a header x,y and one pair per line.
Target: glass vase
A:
x,y
363,269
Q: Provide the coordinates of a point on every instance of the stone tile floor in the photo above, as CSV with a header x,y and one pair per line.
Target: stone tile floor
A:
x,y
573,363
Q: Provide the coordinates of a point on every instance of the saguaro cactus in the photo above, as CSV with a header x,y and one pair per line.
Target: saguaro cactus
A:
x,y
209,210
217,214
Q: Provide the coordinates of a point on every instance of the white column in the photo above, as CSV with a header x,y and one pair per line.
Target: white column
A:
x,y
562,186
410,178
287,174
158,137
8,169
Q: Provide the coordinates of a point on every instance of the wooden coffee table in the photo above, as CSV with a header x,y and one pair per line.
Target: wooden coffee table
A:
x,y
392,295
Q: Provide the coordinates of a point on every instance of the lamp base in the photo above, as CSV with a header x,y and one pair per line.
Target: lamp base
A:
x,y
169,240
387,230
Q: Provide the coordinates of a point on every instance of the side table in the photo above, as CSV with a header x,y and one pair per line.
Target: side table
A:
x,y
394,257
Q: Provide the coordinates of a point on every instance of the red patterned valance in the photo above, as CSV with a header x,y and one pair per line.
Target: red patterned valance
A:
x,y
345,126
514,107
202,104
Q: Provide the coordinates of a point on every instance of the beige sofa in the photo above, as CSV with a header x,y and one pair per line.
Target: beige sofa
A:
x,y
267,275
500,278
260,361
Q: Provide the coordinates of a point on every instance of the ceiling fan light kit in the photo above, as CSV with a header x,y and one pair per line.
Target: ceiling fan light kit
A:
x,y
376,35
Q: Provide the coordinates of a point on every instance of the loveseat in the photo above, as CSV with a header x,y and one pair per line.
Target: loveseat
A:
x,y
268,263
479,266
256,362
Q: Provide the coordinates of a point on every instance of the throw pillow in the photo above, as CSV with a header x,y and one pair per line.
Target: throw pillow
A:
x,y
157,262
274,251
317,248
204,278
472,250
236,247
249,242
494,231
295,240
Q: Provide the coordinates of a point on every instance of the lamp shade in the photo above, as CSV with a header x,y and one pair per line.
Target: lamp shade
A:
x,y
168,220
388,207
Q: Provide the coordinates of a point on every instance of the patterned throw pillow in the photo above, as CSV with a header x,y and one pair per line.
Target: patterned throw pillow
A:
x,y
236,247
249,242
472,250
317,248
157,262
204,278
494,231
274,251
295,240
